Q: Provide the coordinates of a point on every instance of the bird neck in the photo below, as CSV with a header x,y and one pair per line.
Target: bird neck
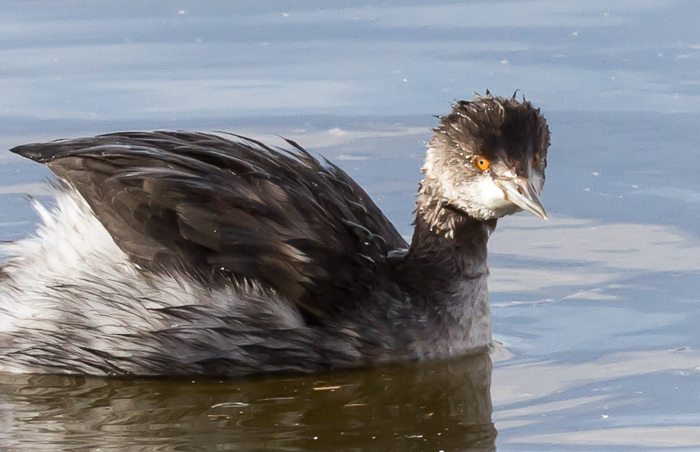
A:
x,y
448,246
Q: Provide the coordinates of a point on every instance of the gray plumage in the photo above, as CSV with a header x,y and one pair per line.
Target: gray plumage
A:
x,y
176,253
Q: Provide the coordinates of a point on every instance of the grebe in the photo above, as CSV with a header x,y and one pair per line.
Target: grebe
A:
x,y
180,253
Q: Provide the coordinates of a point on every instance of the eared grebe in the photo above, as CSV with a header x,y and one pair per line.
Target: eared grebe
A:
x,y
176,253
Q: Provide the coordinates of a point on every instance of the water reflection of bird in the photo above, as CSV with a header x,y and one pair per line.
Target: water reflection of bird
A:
x,y
439,405
189,253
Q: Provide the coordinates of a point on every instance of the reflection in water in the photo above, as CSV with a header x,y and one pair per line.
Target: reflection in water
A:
x,y
435,406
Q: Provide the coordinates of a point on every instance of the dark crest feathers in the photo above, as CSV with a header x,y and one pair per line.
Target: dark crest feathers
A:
x,y
492,119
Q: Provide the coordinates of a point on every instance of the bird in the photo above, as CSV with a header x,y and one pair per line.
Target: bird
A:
x,y
174,253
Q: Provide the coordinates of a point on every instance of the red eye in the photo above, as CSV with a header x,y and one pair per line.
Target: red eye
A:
x,y
481,163
535,160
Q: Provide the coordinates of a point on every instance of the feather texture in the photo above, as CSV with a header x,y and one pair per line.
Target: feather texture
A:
x,y
221,208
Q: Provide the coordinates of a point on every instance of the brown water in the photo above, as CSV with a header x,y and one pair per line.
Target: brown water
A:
x,y
432,407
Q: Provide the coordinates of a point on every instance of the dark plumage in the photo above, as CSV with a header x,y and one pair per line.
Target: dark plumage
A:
x,y
218,209
232,257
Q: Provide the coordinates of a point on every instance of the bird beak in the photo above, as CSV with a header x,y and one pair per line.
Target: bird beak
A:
x,y
520,192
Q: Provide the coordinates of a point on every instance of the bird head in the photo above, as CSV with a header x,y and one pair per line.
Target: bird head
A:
x,y
487,158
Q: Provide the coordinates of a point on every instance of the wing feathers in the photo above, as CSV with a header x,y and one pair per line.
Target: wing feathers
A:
x,y
232,208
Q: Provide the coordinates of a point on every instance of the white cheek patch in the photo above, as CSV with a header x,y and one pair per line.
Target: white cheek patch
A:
x,y
480,197
488,194
483,199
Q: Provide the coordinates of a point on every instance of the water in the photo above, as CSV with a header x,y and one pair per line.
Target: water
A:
x,y
597,309
392,407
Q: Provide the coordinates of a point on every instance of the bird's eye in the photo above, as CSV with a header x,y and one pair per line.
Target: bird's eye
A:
x,y
481,163
535,161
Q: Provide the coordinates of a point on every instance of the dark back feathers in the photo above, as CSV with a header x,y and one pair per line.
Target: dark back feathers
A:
x,y
223,208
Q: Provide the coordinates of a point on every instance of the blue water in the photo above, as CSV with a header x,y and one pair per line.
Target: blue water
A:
x,y
597,309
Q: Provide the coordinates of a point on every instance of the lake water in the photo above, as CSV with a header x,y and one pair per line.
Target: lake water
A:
x,y
598,309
